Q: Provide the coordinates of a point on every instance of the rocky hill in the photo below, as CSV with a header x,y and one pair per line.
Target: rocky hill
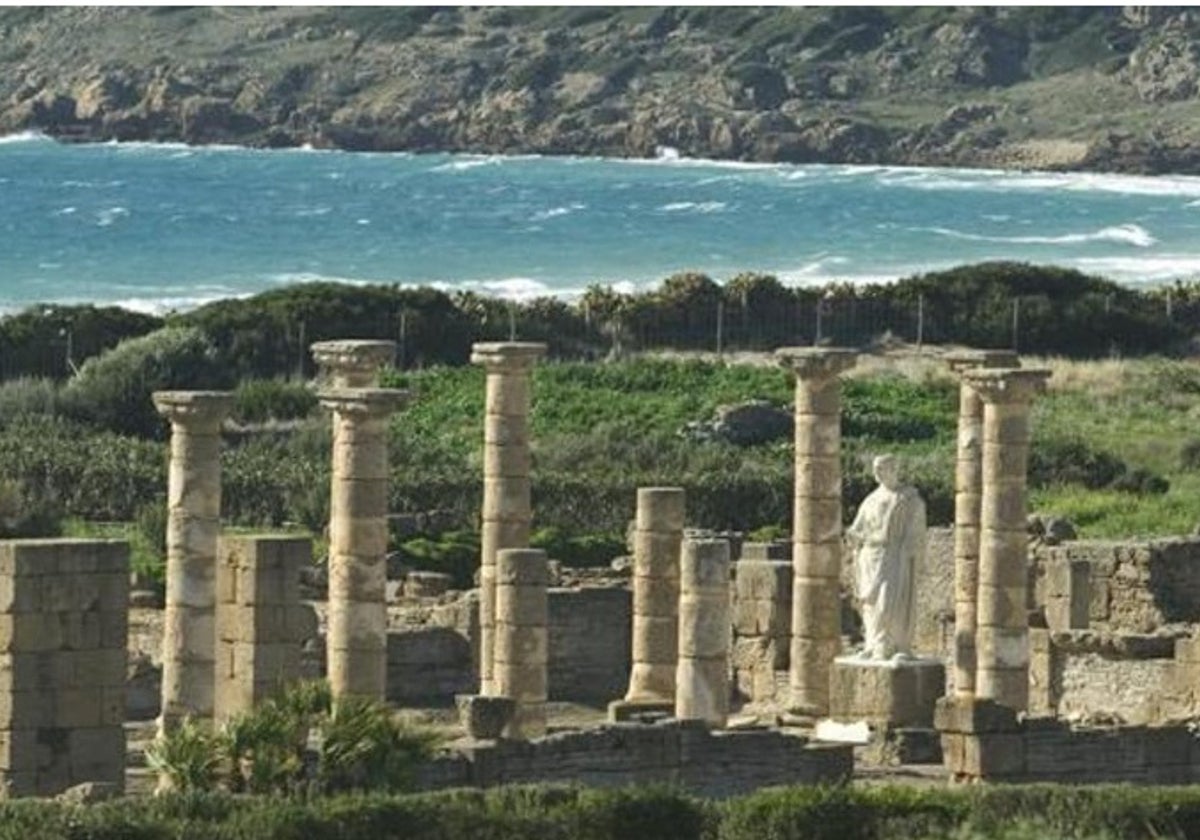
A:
x,y
1059,88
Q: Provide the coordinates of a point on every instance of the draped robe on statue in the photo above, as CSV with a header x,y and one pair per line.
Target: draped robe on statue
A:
x,y
889,530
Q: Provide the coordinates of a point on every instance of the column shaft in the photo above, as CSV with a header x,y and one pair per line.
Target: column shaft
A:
x,y
968,486
817,525
657,540
968,489
356,638
521,642
506,511
193,525
1002,634
705,633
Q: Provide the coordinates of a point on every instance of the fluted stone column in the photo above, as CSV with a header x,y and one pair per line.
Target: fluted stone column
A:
x,y
968,487
705,633
1002,632
521,643
356,640
817,523
656,546
506,503
193,526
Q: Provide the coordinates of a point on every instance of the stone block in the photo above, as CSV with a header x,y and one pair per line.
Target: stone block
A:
x,y
993,755
973,716
624,711
886,693
484,717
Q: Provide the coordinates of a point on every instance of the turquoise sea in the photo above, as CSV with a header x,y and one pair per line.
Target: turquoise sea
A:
x,y
159,226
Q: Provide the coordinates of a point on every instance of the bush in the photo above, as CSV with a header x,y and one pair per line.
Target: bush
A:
x,y
29,396
360,746
113,391
260,400
26,514
580,550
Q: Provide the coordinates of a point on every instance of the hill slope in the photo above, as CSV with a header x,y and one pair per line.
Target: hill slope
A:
x,y
1068,88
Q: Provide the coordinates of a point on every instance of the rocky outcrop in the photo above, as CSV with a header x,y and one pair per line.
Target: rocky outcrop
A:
x,y
959,86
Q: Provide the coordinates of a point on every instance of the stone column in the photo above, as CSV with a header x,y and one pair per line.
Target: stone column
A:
x,y
656,546
1002,634
705,630
356,639
506,504
817,523
968,486
193,525
521,643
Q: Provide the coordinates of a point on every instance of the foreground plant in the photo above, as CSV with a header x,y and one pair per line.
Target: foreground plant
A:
x,y
301,741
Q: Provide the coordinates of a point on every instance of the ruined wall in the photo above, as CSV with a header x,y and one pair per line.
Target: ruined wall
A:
x,y
1136,586
982,741
687,754
63,625
431,657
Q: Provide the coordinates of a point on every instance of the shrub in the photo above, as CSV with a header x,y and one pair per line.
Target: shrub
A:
x,y
29,396
259,400
580,550
113,390
361,746
26,514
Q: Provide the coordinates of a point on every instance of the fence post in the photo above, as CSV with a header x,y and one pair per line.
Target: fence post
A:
x,y
512,320
1016,322
920,321
403,360
720,325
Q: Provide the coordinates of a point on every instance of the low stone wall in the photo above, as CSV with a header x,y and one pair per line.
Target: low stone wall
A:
x,y
688,754
982,741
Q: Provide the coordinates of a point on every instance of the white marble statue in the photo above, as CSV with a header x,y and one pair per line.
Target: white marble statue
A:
x,y
888,535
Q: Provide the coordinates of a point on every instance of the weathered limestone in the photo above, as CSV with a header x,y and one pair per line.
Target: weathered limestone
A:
x,y
506,491
762,625
258,621
817,523
705,630
657,542
1002,642
352,363
886,693
193,523
968,487
521,644
356,641
63,627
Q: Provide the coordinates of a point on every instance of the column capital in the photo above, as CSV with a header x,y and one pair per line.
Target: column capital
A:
x,y
194,408
816,362
364,402
960,361
1007,385
352,363
507,356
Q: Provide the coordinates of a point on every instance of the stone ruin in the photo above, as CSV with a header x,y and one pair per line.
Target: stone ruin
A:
x,y
718,661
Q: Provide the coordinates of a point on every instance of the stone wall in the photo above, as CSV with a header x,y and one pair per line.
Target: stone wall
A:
x,y
1135,587
983,741
63,627
688,754
431,658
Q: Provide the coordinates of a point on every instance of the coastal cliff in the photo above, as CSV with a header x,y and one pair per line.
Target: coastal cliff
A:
x,y
1045,88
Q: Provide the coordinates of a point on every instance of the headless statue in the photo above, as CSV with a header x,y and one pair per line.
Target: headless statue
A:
x,y
888,534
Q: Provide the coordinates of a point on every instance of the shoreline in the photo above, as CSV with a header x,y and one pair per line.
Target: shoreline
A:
x,y
1033,156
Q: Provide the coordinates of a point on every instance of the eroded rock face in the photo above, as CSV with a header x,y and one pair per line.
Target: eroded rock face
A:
x,y
1167,68
821,85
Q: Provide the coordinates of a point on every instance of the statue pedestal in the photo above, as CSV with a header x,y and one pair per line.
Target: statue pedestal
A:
x,y
886,694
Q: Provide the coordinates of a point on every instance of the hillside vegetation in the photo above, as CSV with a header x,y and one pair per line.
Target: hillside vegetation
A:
x,y
1075,88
